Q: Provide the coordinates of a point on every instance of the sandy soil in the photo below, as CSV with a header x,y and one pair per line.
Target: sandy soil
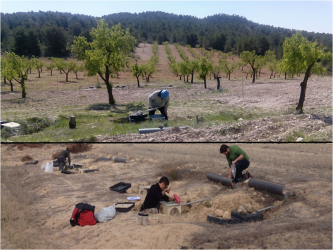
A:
x,y
301,221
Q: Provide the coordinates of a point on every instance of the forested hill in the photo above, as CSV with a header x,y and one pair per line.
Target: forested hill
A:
x,y
47,33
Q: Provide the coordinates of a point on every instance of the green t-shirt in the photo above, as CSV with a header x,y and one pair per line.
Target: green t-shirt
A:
x,y
234,153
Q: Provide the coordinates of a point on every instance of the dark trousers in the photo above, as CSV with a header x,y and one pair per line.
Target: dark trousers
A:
x,y
62,162
161,110
240,167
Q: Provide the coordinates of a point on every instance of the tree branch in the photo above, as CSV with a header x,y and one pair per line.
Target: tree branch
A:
x,y
99,73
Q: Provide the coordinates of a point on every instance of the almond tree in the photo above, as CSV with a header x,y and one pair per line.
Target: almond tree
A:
x,y
204,69
299,54
136,70
36,64
17,68
254,60
65,66
107,54
227,68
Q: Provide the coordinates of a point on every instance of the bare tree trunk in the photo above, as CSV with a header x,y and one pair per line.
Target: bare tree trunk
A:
x,y
254,75
38,74
66,77
11,86
24,91
205,82
192,78
4,80
137,78
285,75
229,76
303,89
218,82
187,78
76,75
246,75
180,77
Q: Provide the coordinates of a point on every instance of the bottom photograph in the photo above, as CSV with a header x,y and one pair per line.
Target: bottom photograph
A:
x,y
166,195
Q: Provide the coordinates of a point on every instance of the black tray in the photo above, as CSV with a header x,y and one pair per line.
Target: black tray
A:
x,y
221,221
120,187
138,118
125,210
257,216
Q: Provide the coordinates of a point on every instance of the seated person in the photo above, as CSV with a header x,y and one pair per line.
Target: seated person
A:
x,y
154,195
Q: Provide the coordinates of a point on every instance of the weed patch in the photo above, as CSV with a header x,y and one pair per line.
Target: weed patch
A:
x,y
26,158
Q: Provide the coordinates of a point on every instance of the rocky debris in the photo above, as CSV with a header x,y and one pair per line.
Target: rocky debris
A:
x,y
137,113
249,208
274,129
218,213
227,215
241,210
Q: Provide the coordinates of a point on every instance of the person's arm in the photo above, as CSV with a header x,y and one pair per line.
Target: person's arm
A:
x,y
238,159
165,197
241,154
151,100
230,173
166,106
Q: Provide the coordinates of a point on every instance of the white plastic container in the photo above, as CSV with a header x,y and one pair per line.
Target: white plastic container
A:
x,y
48,168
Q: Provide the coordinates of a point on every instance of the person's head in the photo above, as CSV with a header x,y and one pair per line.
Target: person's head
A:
x,y
164,94
164,182
224,149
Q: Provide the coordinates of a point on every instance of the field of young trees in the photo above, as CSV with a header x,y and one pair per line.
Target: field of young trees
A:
x,y
112,58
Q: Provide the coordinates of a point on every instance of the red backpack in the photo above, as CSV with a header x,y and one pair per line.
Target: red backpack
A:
x,y
83,215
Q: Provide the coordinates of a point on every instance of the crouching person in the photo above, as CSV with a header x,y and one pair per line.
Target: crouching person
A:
x,y
154,195
62,158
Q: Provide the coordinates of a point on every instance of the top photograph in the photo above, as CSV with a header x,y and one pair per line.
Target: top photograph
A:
x,y
166,72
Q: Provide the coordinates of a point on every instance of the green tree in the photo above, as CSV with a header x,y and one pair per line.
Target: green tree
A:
x,y
107,53
227,68
56,42
7,72
17,67
51,65
204,68
301,54
65,66
76,69
148,70
254,60
193,66
36,64
26,42
271,61
136,70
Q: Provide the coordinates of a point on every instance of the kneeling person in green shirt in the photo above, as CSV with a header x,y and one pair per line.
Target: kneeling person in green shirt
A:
x,y
237,157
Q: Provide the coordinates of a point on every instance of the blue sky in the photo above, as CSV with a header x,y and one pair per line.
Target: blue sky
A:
x,y
311,16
